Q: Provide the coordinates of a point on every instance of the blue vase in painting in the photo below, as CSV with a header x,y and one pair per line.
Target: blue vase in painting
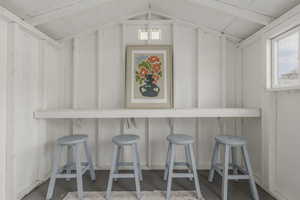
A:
x,y
149,89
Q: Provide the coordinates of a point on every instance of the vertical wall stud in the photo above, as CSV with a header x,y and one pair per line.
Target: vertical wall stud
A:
x,y
198,121
99,88
13,42
223,86
75,57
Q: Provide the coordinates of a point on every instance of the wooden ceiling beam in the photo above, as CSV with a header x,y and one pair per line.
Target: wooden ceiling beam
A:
x,y
64,11
235,11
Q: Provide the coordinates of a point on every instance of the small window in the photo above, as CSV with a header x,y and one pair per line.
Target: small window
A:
x,y
155,34
285,60
149,34
143,34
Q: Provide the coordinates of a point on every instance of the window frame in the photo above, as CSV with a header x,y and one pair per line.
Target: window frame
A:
x,y
149,34
274,61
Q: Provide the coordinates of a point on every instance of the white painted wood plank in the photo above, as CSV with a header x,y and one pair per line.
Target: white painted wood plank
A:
x,y
3,105
70,10
167,113
235,11
13,18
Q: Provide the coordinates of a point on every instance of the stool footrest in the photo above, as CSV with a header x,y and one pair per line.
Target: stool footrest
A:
x,y
182,175
244,176
123,175
238,177
85,166
125,164
181,164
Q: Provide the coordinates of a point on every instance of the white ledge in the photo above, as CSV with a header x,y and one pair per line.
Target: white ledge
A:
x,y
147,113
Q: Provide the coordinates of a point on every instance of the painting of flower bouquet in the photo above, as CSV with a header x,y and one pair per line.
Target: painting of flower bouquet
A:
x,y
149,77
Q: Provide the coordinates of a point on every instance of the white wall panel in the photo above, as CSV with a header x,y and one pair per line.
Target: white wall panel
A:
x,y
3,105
287,141
252,82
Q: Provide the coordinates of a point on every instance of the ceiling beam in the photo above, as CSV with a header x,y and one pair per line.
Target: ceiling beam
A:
x,y
69,10
235,11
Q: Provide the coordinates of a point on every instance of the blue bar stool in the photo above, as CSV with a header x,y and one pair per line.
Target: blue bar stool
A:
x,y
72,143
187,142
120,141
230,143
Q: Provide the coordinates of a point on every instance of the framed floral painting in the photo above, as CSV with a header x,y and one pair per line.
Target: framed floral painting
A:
x,y
149,76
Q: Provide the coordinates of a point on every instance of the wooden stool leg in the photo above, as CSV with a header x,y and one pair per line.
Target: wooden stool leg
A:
x,y
225,173
188,159
112,170
57,154
167,162
76,156
136,171
249,169
234,159
116,171
213,162
170,171
139,163
196,180
70,161
90,161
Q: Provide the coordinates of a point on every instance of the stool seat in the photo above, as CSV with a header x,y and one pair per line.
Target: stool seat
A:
x,y
125,139
231,140
72,139
180,139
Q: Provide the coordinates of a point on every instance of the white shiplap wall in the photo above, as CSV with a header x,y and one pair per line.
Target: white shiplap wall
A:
x,y
273,142
95,77
30,80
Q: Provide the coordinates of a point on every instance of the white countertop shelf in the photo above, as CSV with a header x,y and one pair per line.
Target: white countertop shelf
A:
x,y
147,113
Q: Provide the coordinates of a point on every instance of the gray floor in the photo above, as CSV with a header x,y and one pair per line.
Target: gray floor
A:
x,y
152,181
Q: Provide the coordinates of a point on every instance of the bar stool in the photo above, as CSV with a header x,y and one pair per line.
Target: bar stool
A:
x,y
187,142
72,143
231,142
120,141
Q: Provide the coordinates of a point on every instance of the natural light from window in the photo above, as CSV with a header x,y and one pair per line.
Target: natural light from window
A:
x,y
285,60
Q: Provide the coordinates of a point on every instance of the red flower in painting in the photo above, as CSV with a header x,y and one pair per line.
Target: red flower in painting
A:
x,y
156,68
143,72
153,59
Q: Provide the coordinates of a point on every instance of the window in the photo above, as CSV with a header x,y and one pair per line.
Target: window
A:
x,y
285,60
155,34
149,34
143,34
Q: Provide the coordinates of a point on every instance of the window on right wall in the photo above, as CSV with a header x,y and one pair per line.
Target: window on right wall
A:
x,y
285,60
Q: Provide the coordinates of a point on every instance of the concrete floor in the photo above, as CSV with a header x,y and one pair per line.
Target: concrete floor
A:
x,y
153,180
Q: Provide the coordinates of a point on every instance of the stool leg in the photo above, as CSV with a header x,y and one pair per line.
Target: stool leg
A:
x,y
170,171
112,170
89,158
139,163
225,173
117,163
76,156
249,169
136,171
234,160
57,154
213,162
196,180
167,162
188,159
69,161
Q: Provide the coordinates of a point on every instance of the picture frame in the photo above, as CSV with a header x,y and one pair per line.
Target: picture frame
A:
x,y
149,77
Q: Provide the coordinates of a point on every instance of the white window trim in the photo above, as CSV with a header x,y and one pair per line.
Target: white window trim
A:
x,y
272,72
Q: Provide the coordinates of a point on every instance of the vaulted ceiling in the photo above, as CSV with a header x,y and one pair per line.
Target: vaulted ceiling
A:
x,y
62,18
